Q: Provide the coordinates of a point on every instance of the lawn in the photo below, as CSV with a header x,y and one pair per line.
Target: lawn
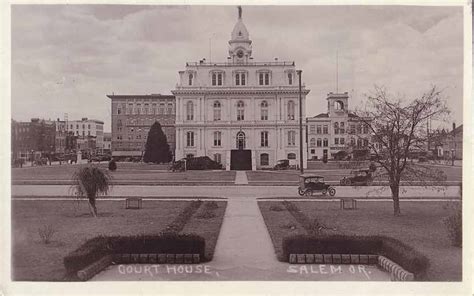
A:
x,y
128,173
32,260
421,226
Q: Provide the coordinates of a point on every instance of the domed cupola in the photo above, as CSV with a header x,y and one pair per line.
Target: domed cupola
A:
x,y
240,48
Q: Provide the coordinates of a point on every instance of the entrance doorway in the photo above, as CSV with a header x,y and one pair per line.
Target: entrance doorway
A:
x,y
241,159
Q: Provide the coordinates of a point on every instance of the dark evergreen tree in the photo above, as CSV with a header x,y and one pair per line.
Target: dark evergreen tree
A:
x,y
157,149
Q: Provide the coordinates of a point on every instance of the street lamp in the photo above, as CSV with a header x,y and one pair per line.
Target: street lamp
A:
x,y
301,120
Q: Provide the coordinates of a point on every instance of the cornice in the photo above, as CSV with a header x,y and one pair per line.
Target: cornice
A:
x,y
206,91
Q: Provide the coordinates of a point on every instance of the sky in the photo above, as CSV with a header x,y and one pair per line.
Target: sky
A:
x,y
67,58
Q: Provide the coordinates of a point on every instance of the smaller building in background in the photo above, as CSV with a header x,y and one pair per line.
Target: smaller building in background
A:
x,y
88,135
452,145
107,143
338,132
33,140
132,118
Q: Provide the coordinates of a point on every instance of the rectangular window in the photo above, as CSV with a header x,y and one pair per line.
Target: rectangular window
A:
x,y
336,141
170,109
219,79
318,129
325,129
190,139
318,143
267,78
264,139
217,114
342,141
353,129
291,138
264,114
290,79
325,142
213,78
217,139
312,128
260,78
240,115
237,79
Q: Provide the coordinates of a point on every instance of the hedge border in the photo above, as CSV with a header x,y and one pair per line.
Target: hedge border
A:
x,y
90,271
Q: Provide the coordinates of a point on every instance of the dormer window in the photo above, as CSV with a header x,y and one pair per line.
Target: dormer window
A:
x,y
190,79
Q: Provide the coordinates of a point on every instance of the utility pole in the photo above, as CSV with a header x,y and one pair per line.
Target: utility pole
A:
x,y
301,120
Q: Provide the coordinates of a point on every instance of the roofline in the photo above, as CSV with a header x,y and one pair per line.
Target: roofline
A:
x,y
140,96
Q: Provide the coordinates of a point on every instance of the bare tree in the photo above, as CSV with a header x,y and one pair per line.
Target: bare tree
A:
x,y
398,129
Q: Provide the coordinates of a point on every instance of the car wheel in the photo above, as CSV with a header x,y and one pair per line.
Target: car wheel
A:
x,y
347,182
308,192
300,192
332,191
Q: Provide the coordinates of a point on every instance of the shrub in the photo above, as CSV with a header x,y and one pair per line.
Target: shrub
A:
x,y
276,208
202,163
207,214
395,250
180,221
46,233
165,243
453,224
211,205
112,165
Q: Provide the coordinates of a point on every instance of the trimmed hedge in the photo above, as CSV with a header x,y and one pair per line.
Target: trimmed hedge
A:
x,y
404,255
165,243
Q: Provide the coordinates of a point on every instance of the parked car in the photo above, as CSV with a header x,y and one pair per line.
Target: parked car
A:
x,y
310,184
358,178
282,164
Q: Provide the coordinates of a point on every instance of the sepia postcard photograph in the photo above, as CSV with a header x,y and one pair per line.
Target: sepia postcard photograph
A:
x,y
235,148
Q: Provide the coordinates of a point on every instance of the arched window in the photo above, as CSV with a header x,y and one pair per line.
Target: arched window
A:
x,y
240,111
325,142
291,110
217,111
190,79
290,78
312,142
264,110
291,156
189,110
240,140
264,159
338,105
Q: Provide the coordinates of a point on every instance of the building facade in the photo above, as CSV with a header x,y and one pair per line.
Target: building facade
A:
x,y
107,143
336,130
132,118
241,113
33,140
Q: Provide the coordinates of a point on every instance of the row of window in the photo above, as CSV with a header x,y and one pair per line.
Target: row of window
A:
x,y
339,128
240,139
217,108
313,142
139,109
217,78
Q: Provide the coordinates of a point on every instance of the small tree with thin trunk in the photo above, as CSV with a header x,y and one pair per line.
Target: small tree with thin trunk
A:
x,y
398,128
90,182
157,149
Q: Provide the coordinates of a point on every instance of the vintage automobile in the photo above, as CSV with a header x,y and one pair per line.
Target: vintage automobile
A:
x,y
358,178
310,184
282,164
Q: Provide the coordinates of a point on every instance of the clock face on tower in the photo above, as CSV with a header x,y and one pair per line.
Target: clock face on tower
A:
x,y
240,54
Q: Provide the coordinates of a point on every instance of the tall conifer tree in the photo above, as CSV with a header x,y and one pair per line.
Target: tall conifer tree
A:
x,y
157,149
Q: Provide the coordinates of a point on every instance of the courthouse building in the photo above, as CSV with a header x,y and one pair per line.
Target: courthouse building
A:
x,y
241,113
132,118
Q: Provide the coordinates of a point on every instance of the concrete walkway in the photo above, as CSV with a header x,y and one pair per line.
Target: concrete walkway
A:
x,y
241,178
244,251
